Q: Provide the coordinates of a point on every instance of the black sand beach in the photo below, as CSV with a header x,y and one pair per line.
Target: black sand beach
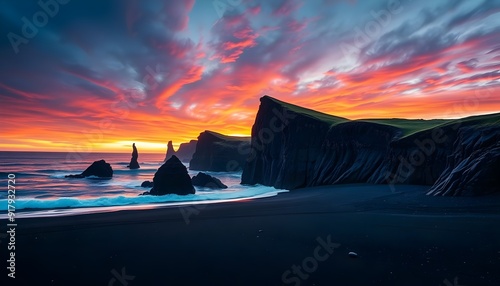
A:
x,y
401,238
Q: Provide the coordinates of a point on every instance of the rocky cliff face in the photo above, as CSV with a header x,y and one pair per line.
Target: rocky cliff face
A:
x,y
285,147
353,152
294,147
473,168
185,152
219,153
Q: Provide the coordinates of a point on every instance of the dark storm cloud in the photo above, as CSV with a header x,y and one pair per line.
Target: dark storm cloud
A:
x,y
102,47
430,34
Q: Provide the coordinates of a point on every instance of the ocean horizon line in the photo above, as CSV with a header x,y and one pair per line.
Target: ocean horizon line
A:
x,y
61,152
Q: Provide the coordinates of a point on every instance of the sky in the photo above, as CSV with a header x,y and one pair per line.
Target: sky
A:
x,y
93,75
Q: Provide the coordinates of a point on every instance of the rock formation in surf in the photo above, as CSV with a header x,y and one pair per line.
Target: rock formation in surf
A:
x,y
147,184
133,162
207,181
219,153
185,152
99,169
172,178
294,147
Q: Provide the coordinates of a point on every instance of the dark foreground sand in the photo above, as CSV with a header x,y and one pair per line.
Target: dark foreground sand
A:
x,y
402,238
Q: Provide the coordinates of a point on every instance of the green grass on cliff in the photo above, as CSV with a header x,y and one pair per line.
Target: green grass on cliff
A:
x,y
480,120
332,120
227,137
412,126
407,126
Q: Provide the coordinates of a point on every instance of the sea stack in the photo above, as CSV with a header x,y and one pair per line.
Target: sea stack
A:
x,y
207,181
133,162
170,151
172,178
184,153
99,169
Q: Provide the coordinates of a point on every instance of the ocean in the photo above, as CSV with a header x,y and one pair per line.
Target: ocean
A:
x,y
42,189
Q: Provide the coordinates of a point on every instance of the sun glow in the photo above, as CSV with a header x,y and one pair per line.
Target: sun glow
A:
x,y
208,73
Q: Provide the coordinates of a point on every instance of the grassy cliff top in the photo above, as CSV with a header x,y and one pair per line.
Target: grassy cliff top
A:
x,y
407,126
482,120
227,137
308,112
412,126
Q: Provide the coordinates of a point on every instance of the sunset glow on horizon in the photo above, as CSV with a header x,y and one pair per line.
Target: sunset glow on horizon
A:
x,y
100,75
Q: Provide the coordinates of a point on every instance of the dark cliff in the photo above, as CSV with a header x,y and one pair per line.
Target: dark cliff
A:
x,y
184,153
294,147
473,168
286,145
219,153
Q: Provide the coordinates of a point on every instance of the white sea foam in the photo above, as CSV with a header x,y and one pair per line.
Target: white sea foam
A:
x,y
43,190
49,205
